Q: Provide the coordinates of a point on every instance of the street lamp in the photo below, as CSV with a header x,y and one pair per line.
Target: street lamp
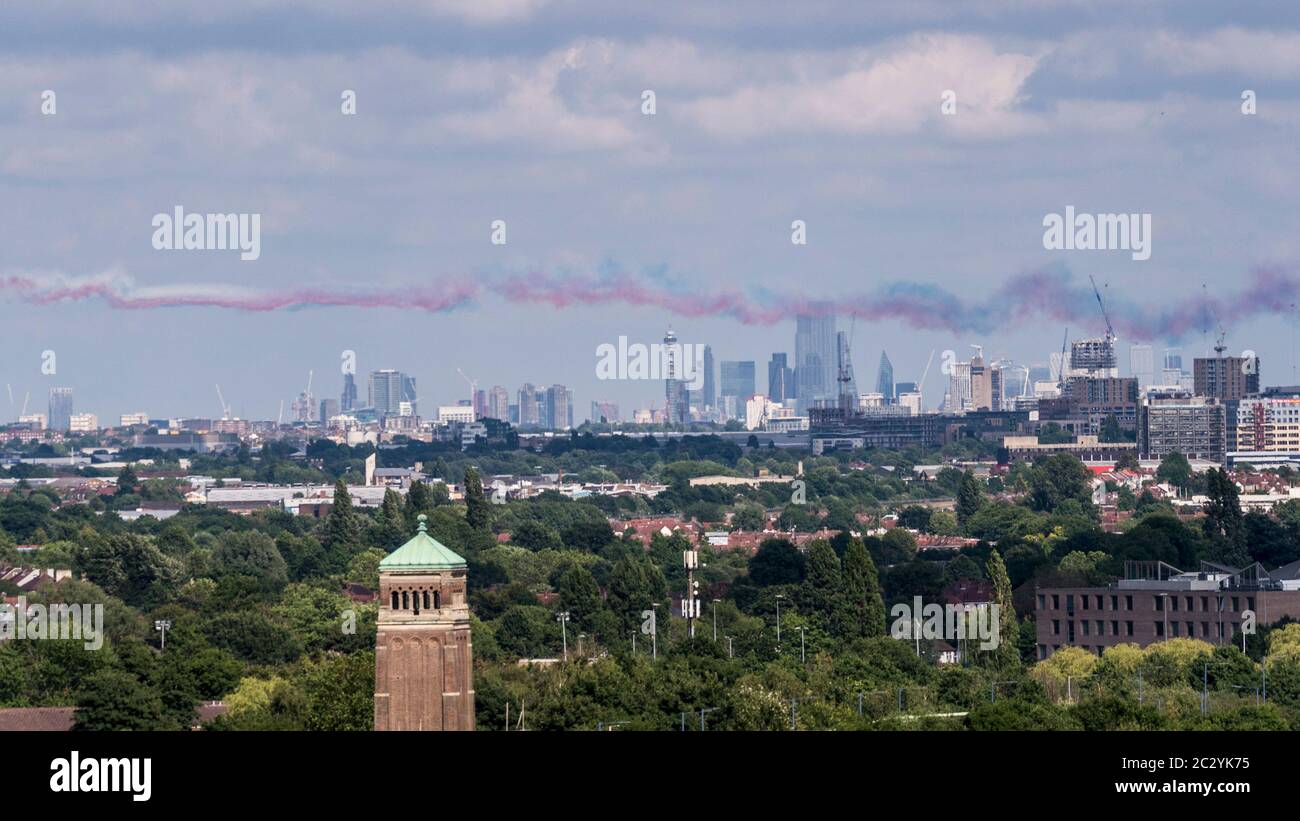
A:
x,y
779,596
729,653
162,626
715,619
654,631
563,618
704,710
802,657
581,636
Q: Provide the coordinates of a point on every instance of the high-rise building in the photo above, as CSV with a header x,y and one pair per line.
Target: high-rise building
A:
x,y
885,379
780,379
1093,357
1142,363
83,423
1230,378
846,384
815,360
389,389
1268,423
498,404
479,403
738,379
1195,426
348,400
529,408
709,387
329,408
676,405
604,412
60,408
558,408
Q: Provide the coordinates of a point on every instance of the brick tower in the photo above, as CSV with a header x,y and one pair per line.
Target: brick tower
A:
x,y
423,653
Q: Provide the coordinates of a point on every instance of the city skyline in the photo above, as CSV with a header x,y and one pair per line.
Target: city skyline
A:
x,y
376,228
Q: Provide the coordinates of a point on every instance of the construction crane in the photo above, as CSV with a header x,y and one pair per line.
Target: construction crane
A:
x,y
1110,331
225,408
1061,367
1219,345
23,412
920,386
279,419
844,377
473,385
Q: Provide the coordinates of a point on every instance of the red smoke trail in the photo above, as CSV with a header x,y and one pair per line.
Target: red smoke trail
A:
x,y
1049,296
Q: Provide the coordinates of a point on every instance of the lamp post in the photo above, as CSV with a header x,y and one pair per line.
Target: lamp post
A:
x,y
715,618
730,655
779,596
704,710
654,632
563,618
802,657
162,626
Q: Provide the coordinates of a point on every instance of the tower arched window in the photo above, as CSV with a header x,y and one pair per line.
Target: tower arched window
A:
x,y
426,600
437,600
406,600
394,599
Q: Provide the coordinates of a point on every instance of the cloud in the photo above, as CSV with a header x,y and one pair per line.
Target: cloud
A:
x,y
1247,52
895,89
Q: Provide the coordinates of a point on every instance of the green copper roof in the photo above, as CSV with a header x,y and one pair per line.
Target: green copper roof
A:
x,y
422,553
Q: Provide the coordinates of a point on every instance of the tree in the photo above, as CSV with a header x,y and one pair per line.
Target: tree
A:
x,y
1128,460
961,568
1223,523
822,581
116,700
127,566
249,553
342,529
748,517
970,497
1175,469
1005,654
579,594
390,529
1110,430
776,561
898,546
860,611
476,505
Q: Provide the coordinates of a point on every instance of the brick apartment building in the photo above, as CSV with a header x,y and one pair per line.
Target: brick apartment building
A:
x,y
1156,601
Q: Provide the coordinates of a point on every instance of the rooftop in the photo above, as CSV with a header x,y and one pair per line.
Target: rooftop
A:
x,y
423,552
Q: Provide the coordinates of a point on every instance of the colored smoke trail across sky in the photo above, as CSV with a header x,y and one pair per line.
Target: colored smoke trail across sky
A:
x,y
1051,296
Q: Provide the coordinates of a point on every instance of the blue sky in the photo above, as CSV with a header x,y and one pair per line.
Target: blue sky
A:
x,y
529,111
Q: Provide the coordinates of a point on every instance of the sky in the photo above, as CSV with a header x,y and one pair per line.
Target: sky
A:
x,y
376,227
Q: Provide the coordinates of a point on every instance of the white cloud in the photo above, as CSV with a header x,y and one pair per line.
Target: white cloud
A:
x,y
1272,54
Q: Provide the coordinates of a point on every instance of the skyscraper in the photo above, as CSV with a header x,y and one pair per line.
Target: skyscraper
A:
x,y
498,403
559,408
1142,364
885,379
348,401
528,406
389,389
815,360
738,379
780,379
710,388
676,405
60,408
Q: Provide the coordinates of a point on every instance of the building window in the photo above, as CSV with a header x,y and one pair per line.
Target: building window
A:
x,y
406,601
1160,628
1114,628
1042,602
1250,603
394,599
1128,628
1190,607
1236,608
1128,602
1056,627
1083,601
1114,602
1087,627
1099,602
1173,603
1056,602
426,600
437,600
1159,602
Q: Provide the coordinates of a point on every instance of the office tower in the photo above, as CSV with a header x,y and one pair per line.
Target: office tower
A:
x,y
60,408
498,403
528,407
559,408
846,384
814,360
780,379
885,379
676,406
604,412
389,389
479,402
329,408
1173,369
710,387
1142,363
982,391
738,379
1015,381
348,401
959,388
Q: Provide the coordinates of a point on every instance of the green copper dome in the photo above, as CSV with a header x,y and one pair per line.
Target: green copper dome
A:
x,y
422,553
